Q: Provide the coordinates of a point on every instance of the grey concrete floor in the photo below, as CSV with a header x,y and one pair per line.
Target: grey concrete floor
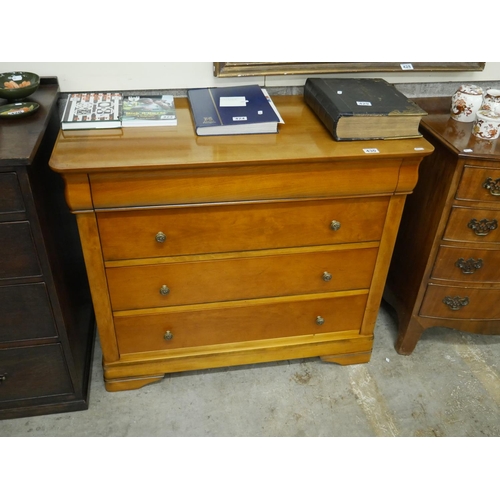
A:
x,y
449,386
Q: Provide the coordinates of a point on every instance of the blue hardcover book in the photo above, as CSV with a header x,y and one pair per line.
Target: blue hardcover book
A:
x,y
233,110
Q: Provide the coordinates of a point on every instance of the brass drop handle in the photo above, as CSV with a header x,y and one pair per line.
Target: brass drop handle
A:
x,y
319,320
482,227
3,378
327,276
469,266
160,237
493,186
168,335
335,225
164,290
456,303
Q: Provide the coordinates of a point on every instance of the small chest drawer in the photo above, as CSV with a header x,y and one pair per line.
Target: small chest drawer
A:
x,y
239,322
18,257
229,228
467,264
25,313
33,372
479,184
192,282
11,199
460,303
475,225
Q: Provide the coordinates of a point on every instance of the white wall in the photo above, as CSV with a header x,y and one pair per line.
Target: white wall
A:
x,y
85,76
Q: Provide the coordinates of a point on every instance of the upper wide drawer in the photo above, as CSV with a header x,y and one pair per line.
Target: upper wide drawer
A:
x,y
11,198
208,185
228,228
479,184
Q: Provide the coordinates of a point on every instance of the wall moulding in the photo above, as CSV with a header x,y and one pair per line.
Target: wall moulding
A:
x,y
238,69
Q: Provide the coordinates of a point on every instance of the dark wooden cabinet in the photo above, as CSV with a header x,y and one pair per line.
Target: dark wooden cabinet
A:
x,y
445,269
47,325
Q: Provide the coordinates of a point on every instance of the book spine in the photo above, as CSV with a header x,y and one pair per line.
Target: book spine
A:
x,y
322,106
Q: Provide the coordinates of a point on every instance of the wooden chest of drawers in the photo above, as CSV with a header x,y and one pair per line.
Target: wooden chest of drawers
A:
x,y
217,251
47,326
446,265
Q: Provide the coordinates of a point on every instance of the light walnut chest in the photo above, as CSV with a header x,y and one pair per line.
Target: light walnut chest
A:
x,y
217,251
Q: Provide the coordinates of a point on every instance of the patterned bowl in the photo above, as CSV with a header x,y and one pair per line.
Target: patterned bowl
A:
x,y
18,84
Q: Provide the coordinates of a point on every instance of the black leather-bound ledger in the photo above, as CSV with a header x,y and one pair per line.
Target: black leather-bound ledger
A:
x,y
362,108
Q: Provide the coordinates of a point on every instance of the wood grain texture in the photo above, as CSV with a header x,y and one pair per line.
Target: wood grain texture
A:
x,y
239,230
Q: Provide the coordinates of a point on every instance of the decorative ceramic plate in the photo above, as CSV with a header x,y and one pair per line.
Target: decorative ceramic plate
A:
x,y
18,109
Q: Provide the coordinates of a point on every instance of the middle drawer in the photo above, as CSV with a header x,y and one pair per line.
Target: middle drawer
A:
x,y
205,229
291,272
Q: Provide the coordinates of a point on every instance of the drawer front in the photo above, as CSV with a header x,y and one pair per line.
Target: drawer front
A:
x,y
238,322
228,228
18,257
11,199
237,183
25,313
192,282
471,224
33,372
461,303
467,264
479,184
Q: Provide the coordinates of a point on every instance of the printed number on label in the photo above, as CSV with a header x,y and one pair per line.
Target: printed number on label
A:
x,y
371,150
406,66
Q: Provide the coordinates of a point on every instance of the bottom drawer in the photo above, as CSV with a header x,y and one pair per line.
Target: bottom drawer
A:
x,y
239,321
32,372
461,303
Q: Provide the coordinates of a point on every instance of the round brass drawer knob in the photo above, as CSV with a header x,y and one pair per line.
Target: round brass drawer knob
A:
x,y
160,237
327,276
164,290
320,320
168,335
335,225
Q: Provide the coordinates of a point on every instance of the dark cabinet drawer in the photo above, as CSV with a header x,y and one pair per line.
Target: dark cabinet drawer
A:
x,y
11,199
25,313
33,372
18,257
474,225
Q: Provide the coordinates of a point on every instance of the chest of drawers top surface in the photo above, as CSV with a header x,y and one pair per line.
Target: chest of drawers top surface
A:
x,y
301,138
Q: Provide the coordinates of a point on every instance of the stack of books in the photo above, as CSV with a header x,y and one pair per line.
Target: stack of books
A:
x,y
100,110
246,109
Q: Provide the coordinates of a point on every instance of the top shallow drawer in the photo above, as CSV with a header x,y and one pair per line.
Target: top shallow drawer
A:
x,y
11,199
479,184
244,183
